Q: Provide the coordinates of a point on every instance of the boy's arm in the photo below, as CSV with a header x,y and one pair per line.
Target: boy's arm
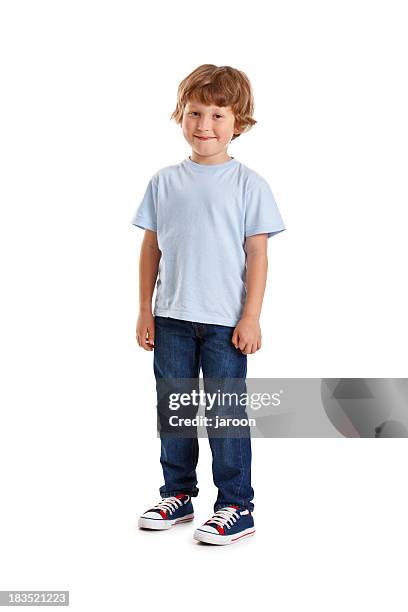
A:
x,y
150,255
256,274
247,334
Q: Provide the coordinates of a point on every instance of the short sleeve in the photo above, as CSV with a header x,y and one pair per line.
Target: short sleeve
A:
x,y
145,216
262,215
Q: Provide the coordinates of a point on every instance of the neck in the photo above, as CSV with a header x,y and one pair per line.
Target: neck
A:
x,y
219,158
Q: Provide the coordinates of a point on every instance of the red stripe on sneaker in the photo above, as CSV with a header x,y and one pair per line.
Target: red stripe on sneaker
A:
x,y
164,515
243,536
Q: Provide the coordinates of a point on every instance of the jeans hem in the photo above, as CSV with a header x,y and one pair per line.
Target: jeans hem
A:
x,y
179,492
240,506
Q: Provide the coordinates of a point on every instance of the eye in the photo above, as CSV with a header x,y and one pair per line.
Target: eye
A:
x,y
196,113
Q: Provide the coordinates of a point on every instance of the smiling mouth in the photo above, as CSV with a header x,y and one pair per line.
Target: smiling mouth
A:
x,y
204,137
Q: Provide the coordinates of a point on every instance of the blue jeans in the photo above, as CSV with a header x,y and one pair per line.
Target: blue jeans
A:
x,y
181,348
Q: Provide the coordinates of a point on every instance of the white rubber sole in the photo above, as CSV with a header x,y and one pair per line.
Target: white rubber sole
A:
x,y
160,524
222,540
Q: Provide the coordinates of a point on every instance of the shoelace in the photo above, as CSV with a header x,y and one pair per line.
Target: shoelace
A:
x,y
169,503
224,516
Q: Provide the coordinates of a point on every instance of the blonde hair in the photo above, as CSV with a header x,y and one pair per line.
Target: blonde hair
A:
x,y
221,86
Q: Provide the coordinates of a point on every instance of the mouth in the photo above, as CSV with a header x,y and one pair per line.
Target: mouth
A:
x,y
204,137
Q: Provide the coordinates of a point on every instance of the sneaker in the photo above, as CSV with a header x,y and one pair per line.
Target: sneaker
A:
x,y
168,512
227,526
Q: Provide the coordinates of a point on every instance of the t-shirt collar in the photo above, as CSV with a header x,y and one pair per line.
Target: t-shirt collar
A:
x,y
209,168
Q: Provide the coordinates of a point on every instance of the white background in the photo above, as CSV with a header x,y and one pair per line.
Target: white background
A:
x,y
87,93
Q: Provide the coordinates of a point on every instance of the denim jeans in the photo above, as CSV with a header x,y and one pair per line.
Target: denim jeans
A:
x,y
181,349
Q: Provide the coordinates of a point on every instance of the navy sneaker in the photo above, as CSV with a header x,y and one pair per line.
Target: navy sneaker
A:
x,y
168,512
227,526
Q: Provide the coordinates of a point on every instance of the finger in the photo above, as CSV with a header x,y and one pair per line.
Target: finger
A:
x,y
148,344
234,339
150,334
246,349
141,338
242,344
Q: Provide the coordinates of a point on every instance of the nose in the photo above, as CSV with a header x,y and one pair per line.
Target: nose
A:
x,y
203,124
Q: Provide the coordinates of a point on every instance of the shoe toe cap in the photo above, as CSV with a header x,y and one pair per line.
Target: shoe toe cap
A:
x,y
152,515
207,529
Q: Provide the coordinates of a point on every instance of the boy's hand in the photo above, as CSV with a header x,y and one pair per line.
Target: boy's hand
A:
x,y
247,335
145,331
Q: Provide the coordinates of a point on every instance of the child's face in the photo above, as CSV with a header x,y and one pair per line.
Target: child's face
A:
x,y
214,122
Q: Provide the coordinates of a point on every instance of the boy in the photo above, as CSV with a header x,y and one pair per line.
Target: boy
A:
x,y
207,220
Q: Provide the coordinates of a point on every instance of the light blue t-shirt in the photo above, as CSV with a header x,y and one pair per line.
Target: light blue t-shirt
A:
x,y
202,214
